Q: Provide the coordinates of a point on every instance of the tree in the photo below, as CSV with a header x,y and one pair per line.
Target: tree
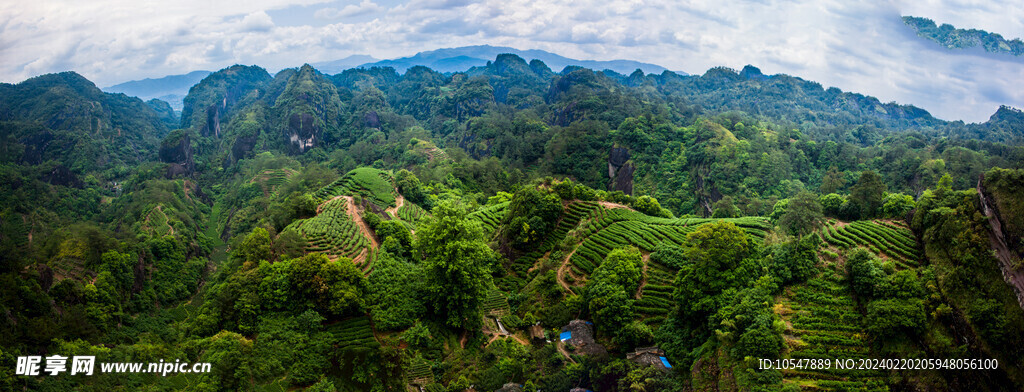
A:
x,y
332,287
831,204
394,293
725,208
718,260
255,247
897,205
778,210
648,205
610,306
865,272
456,264
867,193
832,181
120,266
396,230
889,317
794,260
803,214
622,267
531,215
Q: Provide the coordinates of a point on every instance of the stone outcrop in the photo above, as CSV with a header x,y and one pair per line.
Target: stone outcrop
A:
x,y
176,149
620,171
1007,259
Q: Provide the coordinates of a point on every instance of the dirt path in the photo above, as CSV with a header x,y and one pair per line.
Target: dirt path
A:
x,y
646,260
562,270
517,338
399,202
363,227
561,349
610,205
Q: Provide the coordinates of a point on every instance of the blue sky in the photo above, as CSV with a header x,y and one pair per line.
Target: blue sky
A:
x,y
856,46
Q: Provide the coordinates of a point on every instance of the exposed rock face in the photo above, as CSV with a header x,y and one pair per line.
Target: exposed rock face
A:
x,y
176,149
371,119
620,171
1007,259
212,125
243,146
302,131
60,175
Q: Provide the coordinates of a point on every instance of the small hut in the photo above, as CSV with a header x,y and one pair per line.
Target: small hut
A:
x,y
510,387
580,334
650,356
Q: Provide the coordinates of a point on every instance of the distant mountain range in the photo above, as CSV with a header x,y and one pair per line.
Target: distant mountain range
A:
x,y
463,58
174,88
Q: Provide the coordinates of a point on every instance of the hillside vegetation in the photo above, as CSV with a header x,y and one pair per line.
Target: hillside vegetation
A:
x,y
377,231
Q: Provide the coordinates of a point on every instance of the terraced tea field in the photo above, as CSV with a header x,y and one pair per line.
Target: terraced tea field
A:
x,y
822,322
332,231
271,179
621,227
411,213
490,217
656,295
889,240
368,183
353,334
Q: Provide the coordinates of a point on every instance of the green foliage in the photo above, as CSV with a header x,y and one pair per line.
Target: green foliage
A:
x,y
748,323
831,204
395,293
336,287
803,214
398,231
867,194
897,205
889,317
255,247
650,206
794,261
532,215
865,272
623,267
720,262
725,209
456,263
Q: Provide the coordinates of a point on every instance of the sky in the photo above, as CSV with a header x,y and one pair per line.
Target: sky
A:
x,y
856,46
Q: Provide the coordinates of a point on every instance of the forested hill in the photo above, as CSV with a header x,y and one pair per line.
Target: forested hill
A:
x,y
377,231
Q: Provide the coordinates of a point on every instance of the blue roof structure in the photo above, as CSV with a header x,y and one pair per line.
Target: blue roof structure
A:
x,y
664,361
565,335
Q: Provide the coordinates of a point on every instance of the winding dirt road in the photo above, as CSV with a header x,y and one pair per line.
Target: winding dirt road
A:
x,y
563,269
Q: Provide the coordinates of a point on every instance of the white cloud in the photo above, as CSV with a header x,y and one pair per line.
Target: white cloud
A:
x,y
351,10
859,47
257,21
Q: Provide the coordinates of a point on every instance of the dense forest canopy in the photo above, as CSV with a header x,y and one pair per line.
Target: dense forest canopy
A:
x,y
371,230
